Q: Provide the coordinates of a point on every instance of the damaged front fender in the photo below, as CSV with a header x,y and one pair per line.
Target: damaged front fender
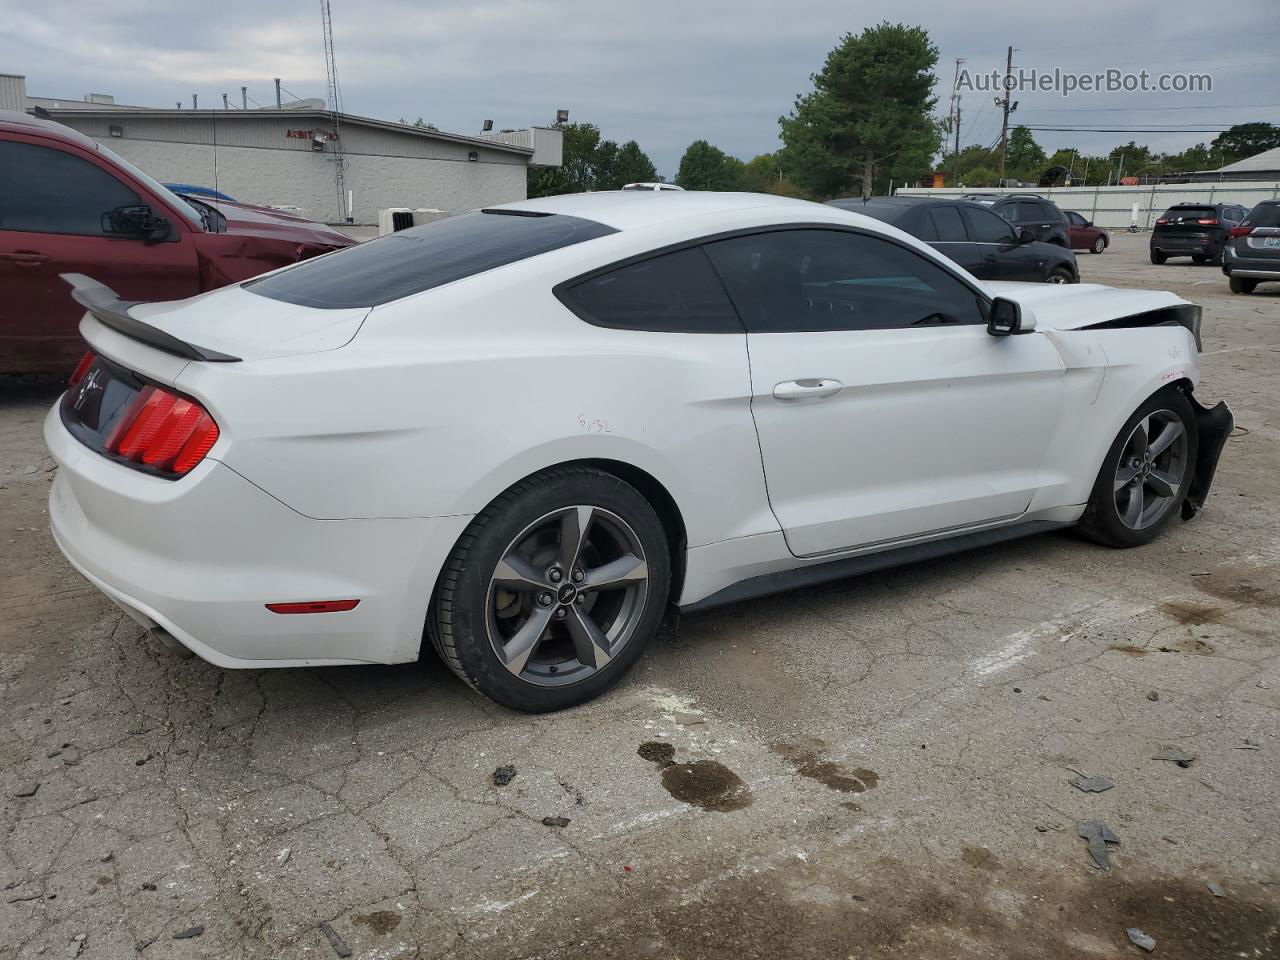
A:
x,y
1213,425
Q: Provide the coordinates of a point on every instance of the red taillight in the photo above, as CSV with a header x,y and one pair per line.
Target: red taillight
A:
x,y
314,606
1241,231
1163,220
1210,222
164,431
81,368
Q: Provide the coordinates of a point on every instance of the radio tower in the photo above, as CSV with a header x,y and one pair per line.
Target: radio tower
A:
x,y
335,108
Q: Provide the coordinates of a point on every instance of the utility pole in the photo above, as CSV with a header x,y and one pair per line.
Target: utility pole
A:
x,y
955,120
244,98
195,101
225,105
1008,105
277,93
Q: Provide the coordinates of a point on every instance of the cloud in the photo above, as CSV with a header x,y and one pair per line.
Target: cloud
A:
x,y
664,74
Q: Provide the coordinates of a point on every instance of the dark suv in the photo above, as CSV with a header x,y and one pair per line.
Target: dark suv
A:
x,y
1030,212
1252,251
1195,230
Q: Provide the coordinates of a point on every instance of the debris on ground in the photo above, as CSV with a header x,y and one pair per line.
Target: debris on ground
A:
x,y
26,789
149,886
190,932
339,945
1249,745
1216,890
1175,755
555,821
1091,784
689,719
504,775
1153,696
283,856
1140,939
1098,835
655,751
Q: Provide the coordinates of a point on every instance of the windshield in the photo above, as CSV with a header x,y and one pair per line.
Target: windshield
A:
x,y
156,187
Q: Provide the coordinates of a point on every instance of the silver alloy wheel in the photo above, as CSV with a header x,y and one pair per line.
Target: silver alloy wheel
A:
x,y
1152,469
1099,245
1057,277
567,595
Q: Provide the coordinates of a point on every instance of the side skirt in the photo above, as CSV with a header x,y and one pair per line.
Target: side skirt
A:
x,y
811,574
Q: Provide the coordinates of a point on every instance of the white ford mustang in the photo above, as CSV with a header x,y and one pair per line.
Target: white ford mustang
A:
x,y
525,433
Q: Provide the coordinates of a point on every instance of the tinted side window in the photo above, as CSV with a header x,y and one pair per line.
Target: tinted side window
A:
x,y
1029,210
948,224
808,280
43,190
411,261
675,293
1049,212
1077,219
986,227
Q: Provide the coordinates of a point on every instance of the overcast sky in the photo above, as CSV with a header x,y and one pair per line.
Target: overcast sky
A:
x,y
662,73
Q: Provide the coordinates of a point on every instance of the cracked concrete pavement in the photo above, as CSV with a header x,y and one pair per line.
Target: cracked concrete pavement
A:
x,y
874,768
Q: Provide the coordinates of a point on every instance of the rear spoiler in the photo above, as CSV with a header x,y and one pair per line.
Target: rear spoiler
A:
x,y
101,301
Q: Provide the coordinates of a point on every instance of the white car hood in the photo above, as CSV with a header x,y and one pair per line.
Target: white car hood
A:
x,y
1062,306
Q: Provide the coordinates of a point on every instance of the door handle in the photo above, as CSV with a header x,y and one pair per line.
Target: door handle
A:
x,y
26,258
818,389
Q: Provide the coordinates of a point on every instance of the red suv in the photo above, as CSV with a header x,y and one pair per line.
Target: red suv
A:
x,y
70,205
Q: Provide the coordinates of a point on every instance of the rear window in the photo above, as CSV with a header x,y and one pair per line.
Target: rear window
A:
x,y
1190,213
402,264
1264,215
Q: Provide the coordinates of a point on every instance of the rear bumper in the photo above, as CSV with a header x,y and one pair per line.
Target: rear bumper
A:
x,y
1214,427
1190,246
1255,268
202,556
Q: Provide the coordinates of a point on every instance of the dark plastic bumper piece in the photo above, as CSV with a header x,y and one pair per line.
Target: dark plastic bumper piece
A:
x,y
1215,425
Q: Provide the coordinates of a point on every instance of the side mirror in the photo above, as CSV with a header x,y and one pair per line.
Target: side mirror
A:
x,y
1088,223
1026,236
136,220
1007,318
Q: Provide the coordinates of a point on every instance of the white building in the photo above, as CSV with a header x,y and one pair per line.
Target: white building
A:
x,y
285,157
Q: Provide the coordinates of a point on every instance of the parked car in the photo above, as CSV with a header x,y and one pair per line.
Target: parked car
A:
x,y
518,434
1028,211
655,187
1195,230
191,190
982,242
1252,253
1083,235
68,204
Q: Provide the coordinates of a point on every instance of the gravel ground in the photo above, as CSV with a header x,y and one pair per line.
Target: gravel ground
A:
x,y
875,768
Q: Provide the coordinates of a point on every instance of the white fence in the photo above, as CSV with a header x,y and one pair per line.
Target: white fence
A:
x,y
1112,207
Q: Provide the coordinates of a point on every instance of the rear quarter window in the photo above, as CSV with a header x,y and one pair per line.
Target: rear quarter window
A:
x,y
676,292
411,261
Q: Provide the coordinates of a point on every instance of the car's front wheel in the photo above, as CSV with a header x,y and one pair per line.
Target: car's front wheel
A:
x,y
1099,245
1146,473
553,591
1060,275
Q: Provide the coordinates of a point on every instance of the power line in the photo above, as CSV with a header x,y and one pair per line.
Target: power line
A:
x,y
1126,129
1208,106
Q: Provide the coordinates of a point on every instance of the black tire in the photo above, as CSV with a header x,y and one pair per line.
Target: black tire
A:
x,y
1200,258
1098,245
1157,257
1060,274
459,620
1102,521
1242,285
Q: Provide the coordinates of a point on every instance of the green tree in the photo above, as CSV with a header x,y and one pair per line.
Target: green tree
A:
x,y
1244,140
981,177
1024,156
869,115
590,163
705,167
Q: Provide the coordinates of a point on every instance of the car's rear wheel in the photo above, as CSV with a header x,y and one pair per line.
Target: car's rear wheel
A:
x,y
1158,257
553,591
1200,258
1099,245
1242,285
1060,275
1145,475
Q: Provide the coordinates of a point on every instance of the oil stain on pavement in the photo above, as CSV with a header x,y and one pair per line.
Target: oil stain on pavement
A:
x,y
807,757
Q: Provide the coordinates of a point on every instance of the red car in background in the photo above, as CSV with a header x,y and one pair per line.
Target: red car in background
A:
x,y
70,205
1084,235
